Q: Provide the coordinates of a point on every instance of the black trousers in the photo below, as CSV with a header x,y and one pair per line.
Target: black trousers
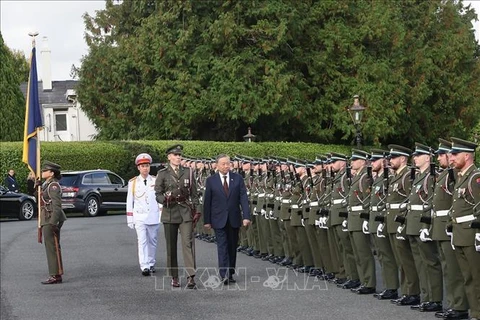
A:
x,y
227,241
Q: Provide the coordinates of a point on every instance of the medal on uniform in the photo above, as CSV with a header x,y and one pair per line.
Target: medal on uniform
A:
x,y
461,192
186,182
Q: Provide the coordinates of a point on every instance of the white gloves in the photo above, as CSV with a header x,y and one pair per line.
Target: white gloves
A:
x,y
380,228
345,225
270,213
399,235
365,227
317,222
450,234
131,225
255,211
425,235
303,222
477,242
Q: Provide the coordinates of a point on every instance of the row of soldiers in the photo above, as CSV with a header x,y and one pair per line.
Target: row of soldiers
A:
x,y
329,217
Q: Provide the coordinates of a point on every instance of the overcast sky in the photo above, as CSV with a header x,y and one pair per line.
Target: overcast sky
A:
x,y
62,23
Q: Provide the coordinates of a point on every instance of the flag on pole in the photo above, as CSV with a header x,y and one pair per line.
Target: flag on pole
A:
x,y
33,121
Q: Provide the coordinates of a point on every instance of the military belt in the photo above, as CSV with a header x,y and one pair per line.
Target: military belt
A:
x,y
416,207
356,208
278,198
337,201
261,195
395,205
440,213
269,195
314,204
463,219
374,208
286,201
304,201
294,206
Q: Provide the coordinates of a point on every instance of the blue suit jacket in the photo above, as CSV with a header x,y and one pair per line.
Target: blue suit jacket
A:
x,y
218,207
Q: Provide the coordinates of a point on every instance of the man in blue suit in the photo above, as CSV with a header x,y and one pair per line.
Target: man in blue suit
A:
x,y
226,209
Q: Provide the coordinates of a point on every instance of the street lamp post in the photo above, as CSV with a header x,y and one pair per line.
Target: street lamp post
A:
x,y
356,113
249,137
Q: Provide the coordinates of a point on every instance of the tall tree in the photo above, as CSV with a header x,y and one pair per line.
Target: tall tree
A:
x,y
13,102
208,69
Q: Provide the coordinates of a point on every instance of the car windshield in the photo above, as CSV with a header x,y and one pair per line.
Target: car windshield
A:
x,y
68,180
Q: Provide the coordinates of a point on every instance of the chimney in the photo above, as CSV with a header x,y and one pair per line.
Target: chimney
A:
x,y
46,66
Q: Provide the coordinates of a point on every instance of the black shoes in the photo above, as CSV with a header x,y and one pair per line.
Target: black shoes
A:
x,y
229,280
430,306
350,284
339,281
304,269
152,269
452,314
387,294
286,262
191,283
407,300
364,290
145,272
260,255
267,257
53,280
241,248
326,276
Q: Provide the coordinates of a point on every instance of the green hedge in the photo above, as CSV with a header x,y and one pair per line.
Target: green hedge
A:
x,y
119,156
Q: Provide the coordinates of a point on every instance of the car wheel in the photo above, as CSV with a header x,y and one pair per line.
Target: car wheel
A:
x,y
92,207
27,209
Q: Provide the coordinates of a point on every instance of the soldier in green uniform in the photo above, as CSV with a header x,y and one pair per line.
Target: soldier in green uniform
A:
x,y
243,171
456,299
262,218
176,190
337,220
285,214
382,243
273,210
398,190
424,250
51,220
358,203
465,210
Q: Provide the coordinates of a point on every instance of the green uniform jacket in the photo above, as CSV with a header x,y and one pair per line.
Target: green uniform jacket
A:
x,y
181,187
422,188
315,195
442,202
296,205
269,195
398,190
358,199
51,208
339,196
465,197
277,194
377,201
285,211
261,185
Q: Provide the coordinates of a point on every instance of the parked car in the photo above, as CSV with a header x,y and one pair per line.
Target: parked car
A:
x,y
17,205
93,192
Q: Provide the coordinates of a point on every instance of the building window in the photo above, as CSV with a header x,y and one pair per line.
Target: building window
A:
x,y
61,122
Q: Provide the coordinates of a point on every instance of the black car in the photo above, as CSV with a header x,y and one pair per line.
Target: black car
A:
x,y
93,192
17,205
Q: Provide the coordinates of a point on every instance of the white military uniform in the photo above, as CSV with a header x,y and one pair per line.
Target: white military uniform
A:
x,y
144,212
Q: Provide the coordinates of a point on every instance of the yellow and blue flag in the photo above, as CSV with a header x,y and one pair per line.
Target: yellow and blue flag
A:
x,y
33,120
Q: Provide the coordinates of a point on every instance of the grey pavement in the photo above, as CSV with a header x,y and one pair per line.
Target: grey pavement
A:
x,y
103,281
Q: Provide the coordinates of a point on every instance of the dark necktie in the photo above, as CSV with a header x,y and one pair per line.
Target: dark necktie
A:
x,y
225,185
145,181
176,171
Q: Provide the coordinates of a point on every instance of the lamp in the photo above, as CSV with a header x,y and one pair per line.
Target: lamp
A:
x,y
356,113
249,137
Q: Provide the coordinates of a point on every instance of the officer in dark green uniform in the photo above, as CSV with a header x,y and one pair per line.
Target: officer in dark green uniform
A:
x,y
398,190
424,250
51,220
456,299
288,235
382,242
358,203
465,210
176,190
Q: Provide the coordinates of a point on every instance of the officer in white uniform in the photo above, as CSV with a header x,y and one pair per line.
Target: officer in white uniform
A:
x,y
143,213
